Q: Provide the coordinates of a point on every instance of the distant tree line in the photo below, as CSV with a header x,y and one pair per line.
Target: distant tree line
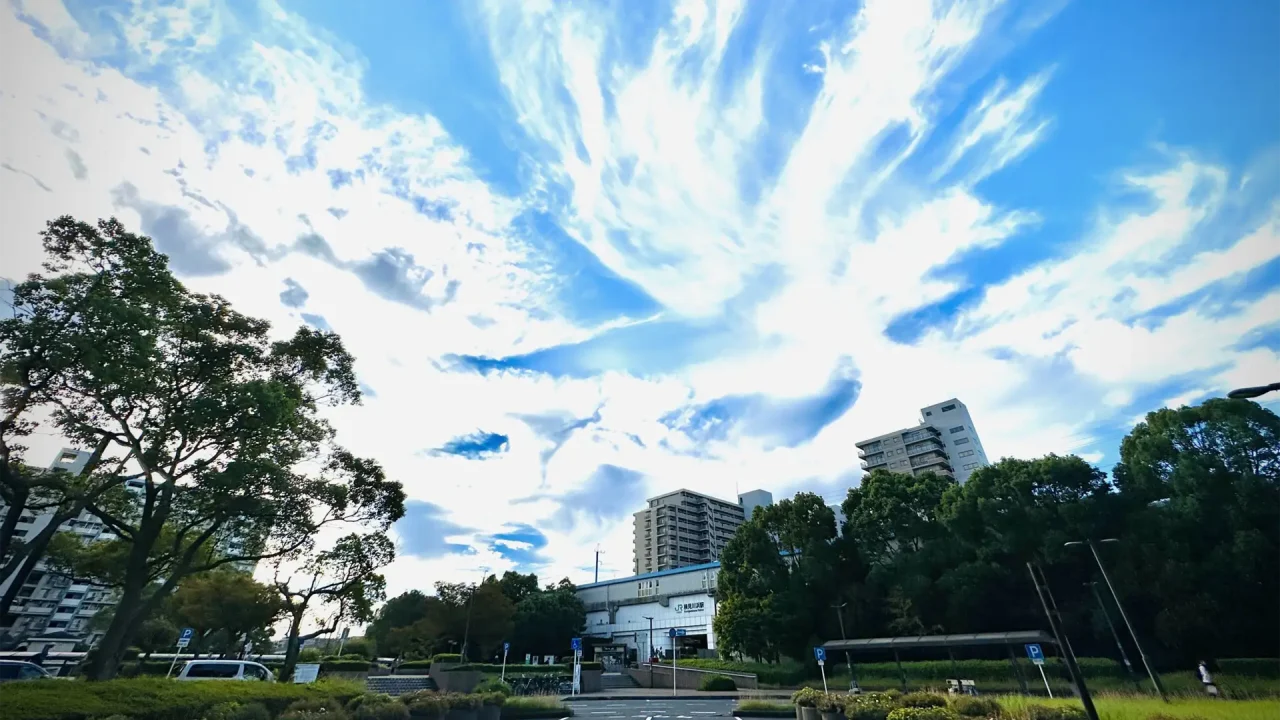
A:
x,y
1194,503
538,621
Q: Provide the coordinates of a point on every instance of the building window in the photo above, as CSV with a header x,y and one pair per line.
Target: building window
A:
x,y
962,441
966,453
956,429
927,413
948,408
58,624
970,466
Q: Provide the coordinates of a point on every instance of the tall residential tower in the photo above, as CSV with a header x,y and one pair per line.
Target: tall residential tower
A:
x,y
945,442
683,528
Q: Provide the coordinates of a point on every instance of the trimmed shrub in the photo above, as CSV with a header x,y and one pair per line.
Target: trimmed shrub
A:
x,y
425,704
376,706
922,700
871,706
414,665
493,685
343,665
716,683
313,709
966,706
1254,667
460,701
806,697
923,713
492,698
237,711
446,658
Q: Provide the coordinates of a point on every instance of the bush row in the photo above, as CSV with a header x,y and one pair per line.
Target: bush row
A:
x,y
529,669
793,673
158,699
894,705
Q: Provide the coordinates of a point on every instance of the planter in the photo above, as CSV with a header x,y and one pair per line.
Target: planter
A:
x,y
832,715
799,712
810,713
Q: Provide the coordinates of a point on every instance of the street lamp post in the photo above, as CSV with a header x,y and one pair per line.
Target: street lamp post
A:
x,y
1124,656
1253,392
1123,615
853,677
650,642
466,632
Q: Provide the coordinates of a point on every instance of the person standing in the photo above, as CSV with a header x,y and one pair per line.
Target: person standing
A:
x,y
1206,679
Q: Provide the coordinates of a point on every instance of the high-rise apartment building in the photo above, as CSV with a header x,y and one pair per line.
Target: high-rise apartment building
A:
x,y
945,442
52,602
685,528
753,499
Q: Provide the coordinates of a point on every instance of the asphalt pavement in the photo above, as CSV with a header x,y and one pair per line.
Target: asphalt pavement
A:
x,y
655,709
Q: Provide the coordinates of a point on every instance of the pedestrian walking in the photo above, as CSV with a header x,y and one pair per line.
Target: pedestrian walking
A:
x,y
1206,679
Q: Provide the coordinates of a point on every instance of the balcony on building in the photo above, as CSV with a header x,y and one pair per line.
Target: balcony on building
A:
x,y
878,460
930,444
931,461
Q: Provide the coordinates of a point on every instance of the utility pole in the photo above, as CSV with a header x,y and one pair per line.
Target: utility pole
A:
x,y
598,551
646,617
853,676
1155,681
1064,646
466,632
1124,656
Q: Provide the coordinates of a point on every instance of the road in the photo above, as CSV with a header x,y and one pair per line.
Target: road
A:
x,y
654,709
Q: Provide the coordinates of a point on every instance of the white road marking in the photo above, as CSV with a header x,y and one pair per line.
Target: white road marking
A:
x,y
705,712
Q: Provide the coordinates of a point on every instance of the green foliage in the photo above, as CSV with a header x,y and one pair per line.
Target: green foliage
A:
x,y
425,703
806,697
490,685
978,707
223,600
1254,667
752,706
922,700
718,683
446,658
923,713
309,655
343,665
870,706
157,698
1056,712
376,706
237,711
524,669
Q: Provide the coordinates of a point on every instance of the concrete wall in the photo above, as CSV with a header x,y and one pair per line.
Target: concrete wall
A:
x,y
686,678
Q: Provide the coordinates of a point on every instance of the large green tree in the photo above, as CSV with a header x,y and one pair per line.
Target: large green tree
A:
x,y
398,612
546,621
224,607
335,586
219,424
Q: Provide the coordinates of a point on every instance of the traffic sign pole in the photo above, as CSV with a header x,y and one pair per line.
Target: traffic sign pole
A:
x,y
1045,679
1036,654
505,647
184,639
820,654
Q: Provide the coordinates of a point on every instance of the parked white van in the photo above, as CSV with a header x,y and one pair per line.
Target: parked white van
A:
x,y
225,670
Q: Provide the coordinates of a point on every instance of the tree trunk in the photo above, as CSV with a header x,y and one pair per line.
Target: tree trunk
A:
x,y
17,506
292,647
131,609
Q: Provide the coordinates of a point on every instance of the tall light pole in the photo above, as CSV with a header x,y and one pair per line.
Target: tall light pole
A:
x,y
1123,615
1124,656
650,642
466,632
1253,392
853,678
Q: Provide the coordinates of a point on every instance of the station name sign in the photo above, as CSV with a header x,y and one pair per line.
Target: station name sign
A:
x,y
688,607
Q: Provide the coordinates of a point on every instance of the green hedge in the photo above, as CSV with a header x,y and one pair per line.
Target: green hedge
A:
x,y
1252,667
343,665
414,665
790,673
446,658
153,698
526,669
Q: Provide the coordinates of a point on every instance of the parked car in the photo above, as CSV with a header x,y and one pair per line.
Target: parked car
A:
x,y
225,670
11,670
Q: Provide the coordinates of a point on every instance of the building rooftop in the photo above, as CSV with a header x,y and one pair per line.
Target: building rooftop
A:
x,y
646,576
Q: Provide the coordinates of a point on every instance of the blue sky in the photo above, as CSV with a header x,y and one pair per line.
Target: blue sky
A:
x,y
589,252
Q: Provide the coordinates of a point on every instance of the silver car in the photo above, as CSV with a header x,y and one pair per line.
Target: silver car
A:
x,y
13,670
225,670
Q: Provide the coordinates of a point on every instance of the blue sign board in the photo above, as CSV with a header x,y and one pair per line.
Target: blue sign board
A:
x,y
576,643
185,638
1035,653
505,648
820,654
676,632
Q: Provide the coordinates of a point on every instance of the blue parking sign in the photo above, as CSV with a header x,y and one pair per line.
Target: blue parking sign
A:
x,y
576,644
1035,653
820,654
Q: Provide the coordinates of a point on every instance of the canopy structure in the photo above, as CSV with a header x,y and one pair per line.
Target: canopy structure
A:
x,y
943,642
925,642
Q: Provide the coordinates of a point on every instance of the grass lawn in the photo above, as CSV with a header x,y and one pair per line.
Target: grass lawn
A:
x,y
1120,707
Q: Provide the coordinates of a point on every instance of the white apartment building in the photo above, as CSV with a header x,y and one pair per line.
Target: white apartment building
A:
x,y
51,602
944,442
684,528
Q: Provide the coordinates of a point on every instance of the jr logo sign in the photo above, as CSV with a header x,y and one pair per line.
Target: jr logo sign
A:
x,y
688,607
